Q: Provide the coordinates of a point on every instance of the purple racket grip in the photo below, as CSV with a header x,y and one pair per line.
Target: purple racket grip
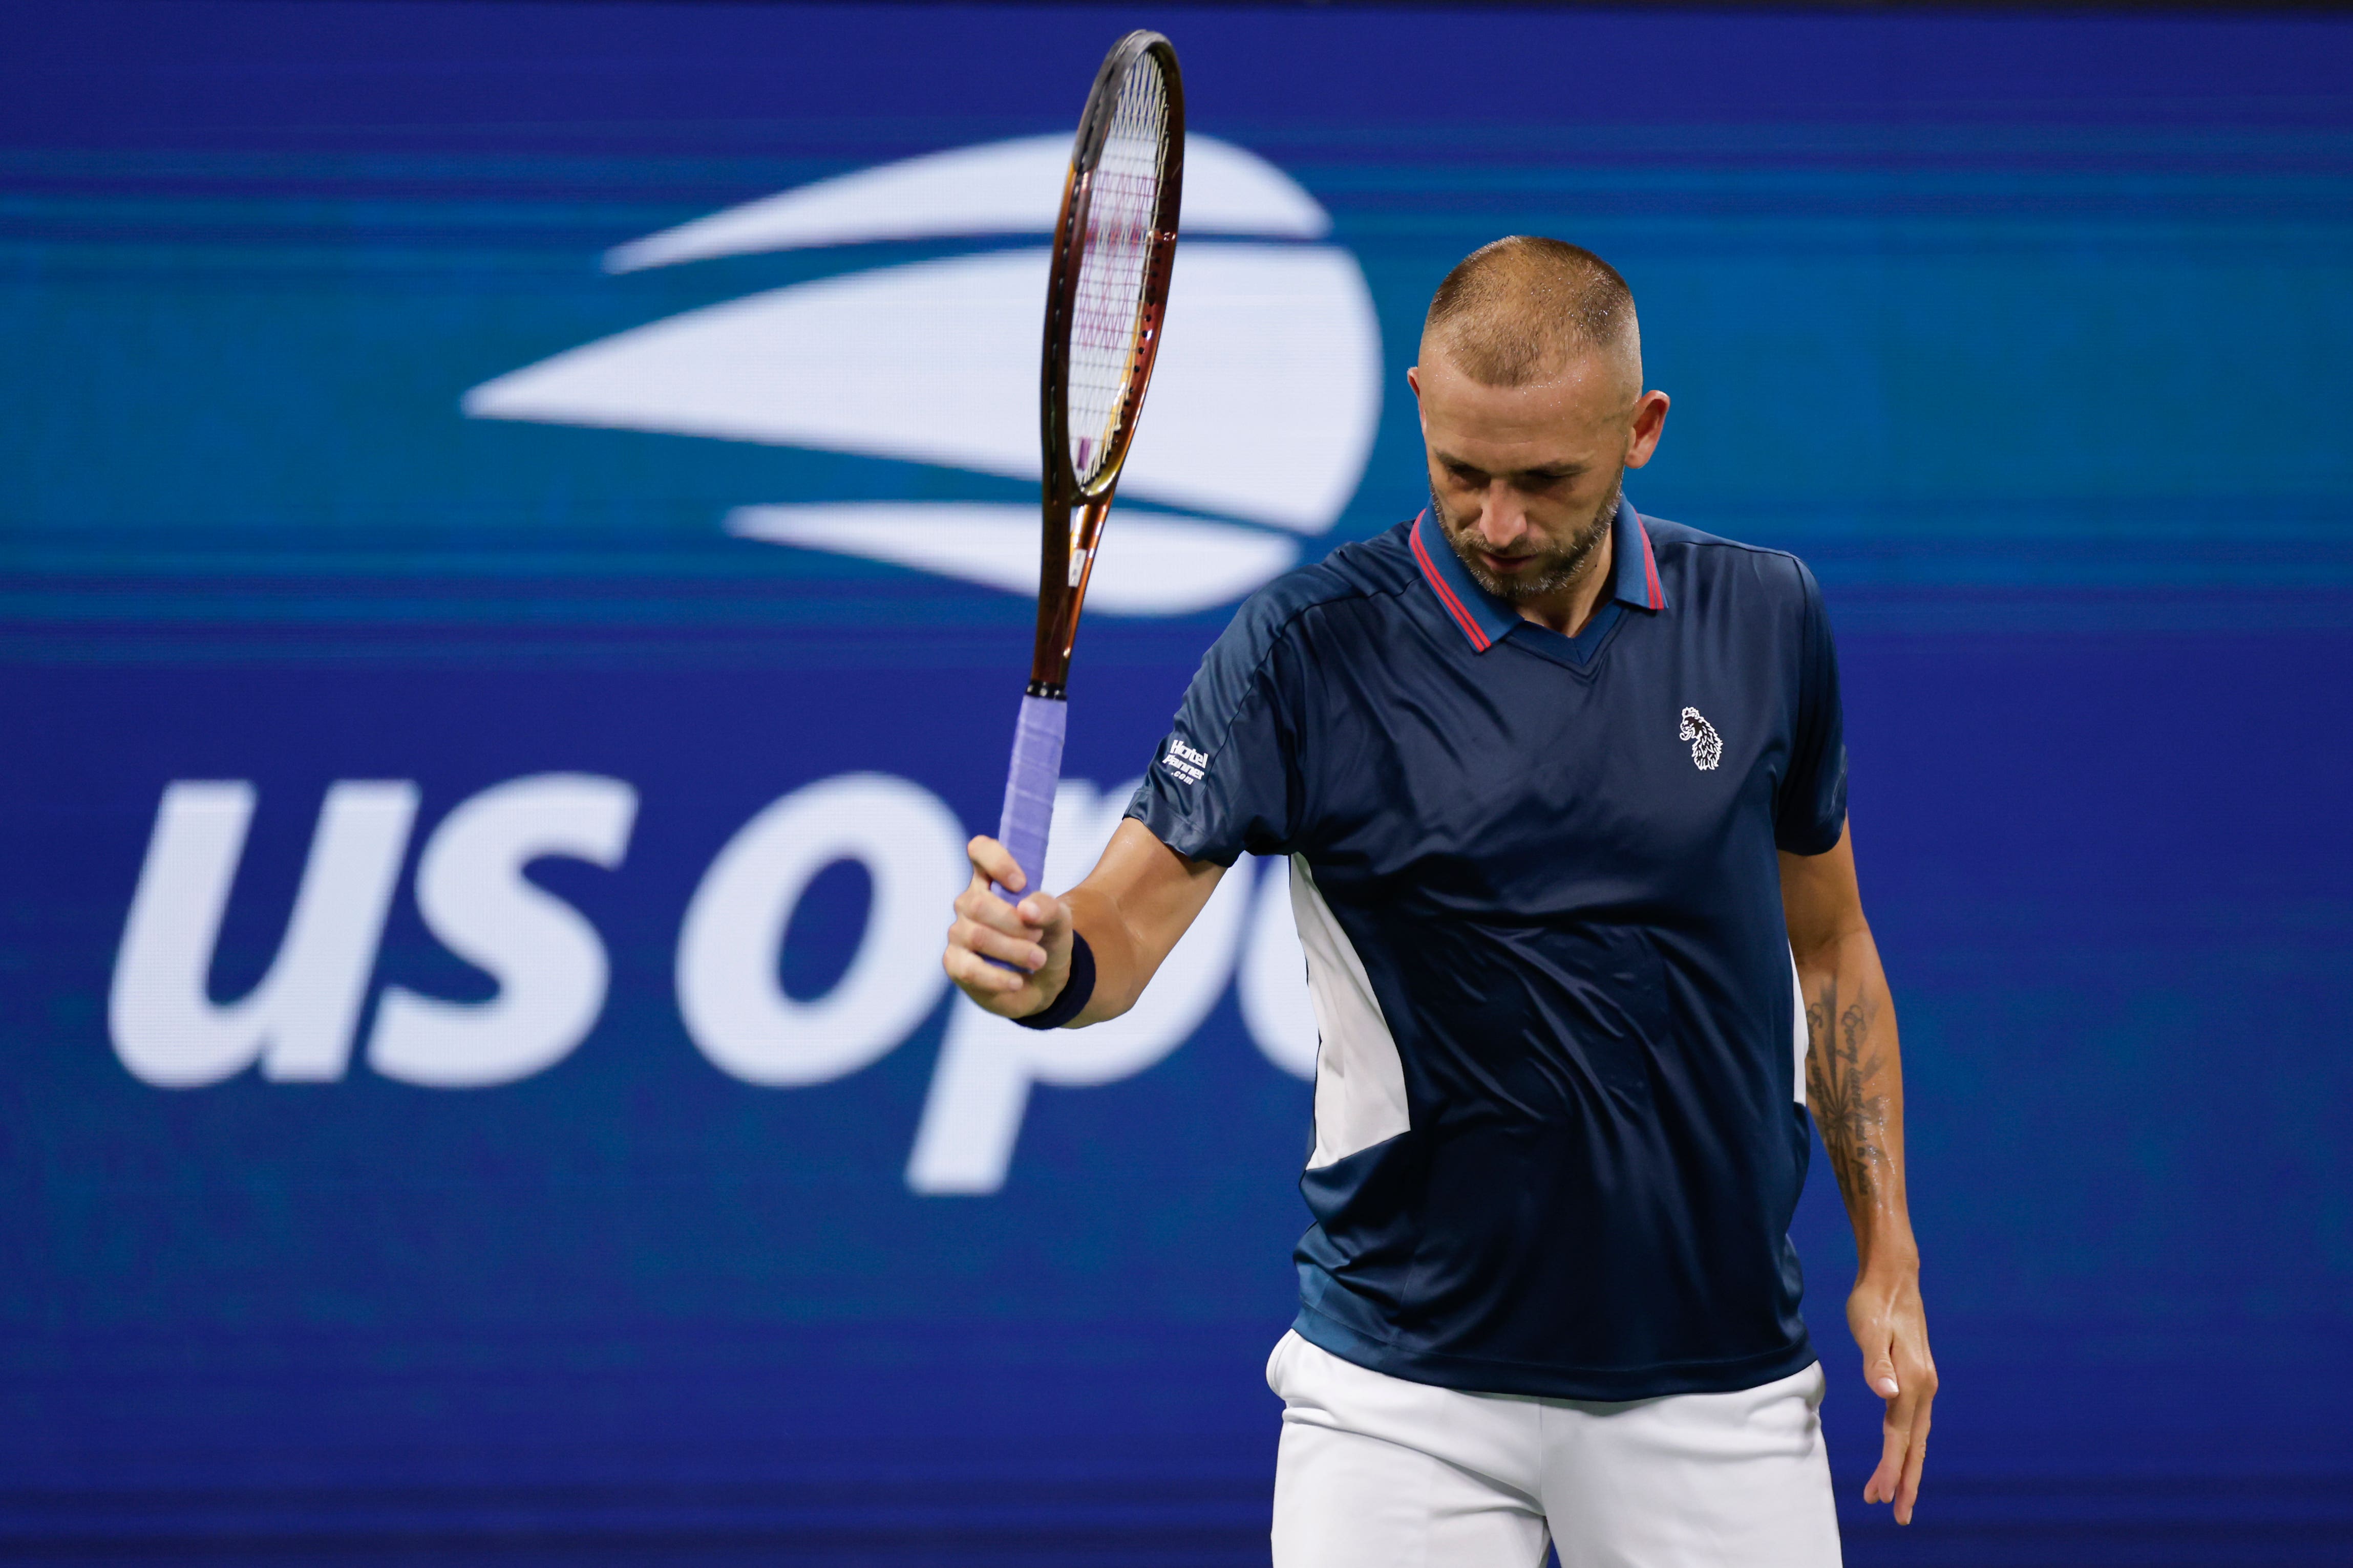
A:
x,y
1029,791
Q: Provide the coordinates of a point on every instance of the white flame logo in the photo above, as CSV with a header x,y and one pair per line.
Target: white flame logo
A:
x,y
1264,403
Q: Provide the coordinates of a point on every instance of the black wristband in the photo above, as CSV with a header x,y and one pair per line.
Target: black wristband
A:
x,y
1077,991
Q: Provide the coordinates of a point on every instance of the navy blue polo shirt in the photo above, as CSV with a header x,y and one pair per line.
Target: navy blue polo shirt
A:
x,y
1559,1130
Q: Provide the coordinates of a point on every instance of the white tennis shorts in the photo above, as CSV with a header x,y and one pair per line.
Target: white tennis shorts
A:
x,y
1378,1472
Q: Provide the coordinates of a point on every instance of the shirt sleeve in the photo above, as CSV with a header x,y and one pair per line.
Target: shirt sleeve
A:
x,y
1225,780
1811,811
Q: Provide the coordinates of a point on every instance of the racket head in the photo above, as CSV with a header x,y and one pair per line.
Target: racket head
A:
x,y
1106,299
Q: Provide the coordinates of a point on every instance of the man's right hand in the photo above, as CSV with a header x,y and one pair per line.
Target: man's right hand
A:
x,y
1033,935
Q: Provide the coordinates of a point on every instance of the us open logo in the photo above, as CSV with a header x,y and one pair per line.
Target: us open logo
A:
x,y
307,1020
1264,404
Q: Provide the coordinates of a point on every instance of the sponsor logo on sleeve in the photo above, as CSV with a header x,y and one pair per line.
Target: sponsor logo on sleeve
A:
x,y
1185,762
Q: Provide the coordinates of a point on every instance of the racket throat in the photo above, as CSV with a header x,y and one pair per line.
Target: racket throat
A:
x,y
1069,564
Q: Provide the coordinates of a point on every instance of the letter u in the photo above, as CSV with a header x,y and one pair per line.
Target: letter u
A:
x,y
298,1021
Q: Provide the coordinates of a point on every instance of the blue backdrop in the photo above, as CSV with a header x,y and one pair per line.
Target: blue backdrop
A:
x,y
2029,333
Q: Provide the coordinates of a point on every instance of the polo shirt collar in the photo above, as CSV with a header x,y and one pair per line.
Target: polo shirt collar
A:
x,y
1486,620
1632,561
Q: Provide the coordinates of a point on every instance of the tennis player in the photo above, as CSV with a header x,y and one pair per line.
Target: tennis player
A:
x,y
1564,793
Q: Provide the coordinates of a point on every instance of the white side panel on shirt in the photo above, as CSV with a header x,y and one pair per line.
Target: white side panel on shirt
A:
x,y
1798,1024
1359,1078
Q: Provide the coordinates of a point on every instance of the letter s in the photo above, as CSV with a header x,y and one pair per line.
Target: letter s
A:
x,y
546,958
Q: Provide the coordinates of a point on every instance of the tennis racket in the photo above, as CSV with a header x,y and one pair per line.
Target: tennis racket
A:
x,y
1106,301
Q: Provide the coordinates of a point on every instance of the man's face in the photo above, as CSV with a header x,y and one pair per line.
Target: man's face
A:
x,y
1525,480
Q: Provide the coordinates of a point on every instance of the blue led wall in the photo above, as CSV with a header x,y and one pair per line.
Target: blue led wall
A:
x,y
560,1147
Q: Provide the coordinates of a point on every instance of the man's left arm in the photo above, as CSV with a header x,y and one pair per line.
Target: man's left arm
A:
x,y
1855,1086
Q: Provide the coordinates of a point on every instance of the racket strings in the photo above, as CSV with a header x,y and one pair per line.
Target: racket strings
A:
x,y
1123,201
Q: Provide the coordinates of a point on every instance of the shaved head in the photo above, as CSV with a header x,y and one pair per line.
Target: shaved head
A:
x,y
1530,392
1524,309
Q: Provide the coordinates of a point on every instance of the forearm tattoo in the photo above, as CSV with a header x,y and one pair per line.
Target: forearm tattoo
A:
x,y
1842,1079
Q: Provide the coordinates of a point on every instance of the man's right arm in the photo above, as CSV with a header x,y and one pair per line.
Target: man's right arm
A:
x,y
1223,782
1139,900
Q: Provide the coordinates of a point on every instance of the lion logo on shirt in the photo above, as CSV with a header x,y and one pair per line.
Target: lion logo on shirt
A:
x,y
1707,746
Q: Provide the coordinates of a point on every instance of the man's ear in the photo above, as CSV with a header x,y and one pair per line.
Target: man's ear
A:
x,y
1413,380
1649,422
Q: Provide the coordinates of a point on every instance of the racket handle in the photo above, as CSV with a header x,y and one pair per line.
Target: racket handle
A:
x,y
1030,791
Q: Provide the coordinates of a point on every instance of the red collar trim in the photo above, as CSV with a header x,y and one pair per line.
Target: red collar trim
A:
x,y
1453,604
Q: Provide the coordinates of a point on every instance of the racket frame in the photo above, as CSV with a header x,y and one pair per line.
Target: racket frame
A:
x,y
1074,513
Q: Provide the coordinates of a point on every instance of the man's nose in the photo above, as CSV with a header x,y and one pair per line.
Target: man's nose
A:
x,y
1501,517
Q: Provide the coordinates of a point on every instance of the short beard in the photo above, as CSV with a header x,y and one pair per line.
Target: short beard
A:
x,y
1560,567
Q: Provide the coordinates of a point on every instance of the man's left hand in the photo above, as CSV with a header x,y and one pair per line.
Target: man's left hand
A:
x,y
1891,1329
